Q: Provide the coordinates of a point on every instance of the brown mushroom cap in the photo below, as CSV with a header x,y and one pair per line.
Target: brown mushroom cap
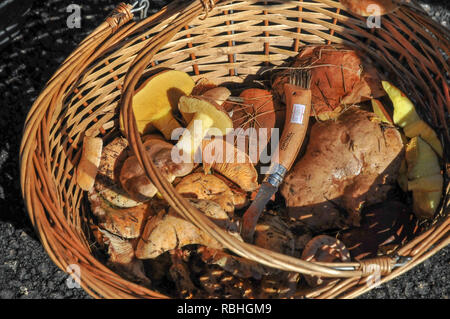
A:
x,y
231,162
207,186
367,8
123,222
340,77
168,231
217,95
349,162
132,175
258,110
202,86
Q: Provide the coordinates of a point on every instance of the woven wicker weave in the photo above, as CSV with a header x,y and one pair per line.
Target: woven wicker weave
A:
x,y
225,42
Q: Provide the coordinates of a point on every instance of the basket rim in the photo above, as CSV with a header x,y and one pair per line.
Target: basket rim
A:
x,y
28,157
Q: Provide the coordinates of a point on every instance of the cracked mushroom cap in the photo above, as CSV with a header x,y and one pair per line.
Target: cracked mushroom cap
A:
x,y
207,186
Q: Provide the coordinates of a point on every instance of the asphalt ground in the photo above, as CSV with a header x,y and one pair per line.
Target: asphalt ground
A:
x,y
28,59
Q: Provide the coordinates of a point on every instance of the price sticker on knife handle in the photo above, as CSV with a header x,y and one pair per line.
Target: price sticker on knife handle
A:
x,y
298,113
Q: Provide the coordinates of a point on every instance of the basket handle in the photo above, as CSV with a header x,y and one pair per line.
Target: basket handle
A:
x,y
142,7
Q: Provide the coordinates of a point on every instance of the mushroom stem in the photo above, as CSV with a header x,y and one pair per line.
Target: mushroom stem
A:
x,y
166,124
197,129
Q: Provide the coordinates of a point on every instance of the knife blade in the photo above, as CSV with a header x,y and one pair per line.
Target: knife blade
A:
x,y
267,189
265,193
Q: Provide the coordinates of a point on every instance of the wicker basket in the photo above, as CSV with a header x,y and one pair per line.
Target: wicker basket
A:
x,y
225,41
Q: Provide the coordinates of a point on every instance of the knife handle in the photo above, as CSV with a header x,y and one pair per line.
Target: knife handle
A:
x,y
298,110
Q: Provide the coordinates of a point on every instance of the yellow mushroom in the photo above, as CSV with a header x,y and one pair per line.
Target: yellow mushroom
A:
x,y
207,114
155,100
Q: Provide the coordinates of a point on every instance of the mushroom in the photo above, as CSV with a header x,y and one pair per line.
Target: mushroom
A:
x,y
349,162
207,114
231,162
324,248
210,92
258,111
168,231
201,186
132,175
217,95
368,8
155,100
340,78
89,162
123,260
425,177
107,182
123,222
202,86
240,198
